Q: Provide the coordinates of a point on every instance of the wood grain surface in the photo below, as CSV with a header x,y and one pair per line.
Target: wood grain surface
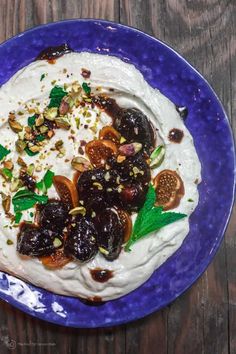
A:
x,y
203,320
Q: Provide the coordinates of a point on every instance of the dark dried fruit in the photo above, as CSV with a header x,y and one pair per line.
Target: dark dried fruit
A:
x,y
81,241
35,241
27,180
54,215
134,126
110,233
133,196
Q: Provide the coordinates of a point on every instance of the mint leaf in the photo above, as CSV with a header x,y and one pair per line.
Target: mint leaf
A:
x,y
46,182
31,153
42,77
31,120
3,152
56,95
86,88
18,217
25,199
151,218
7,173
148,204
40,137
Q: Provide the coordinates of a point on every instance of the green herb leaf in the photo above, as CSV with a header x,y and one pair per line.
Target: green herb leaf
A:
x,y
40,137
31,153
18,217
31,120
7,173
3,152
151,218
42,77
46,182
56,95
25,199
86,88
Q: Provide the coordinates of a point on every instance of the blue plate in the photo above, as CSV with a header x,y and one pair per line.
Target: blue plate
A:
x,y
166,70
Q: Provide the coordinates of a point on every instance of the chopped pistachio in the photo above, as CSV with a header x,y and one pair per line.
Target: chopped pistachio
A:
x,y
63,122
15,126
78,210
35,148
15,184
50,133
30,169
43,129
20,145
38,168
77,121
59,144
57,242
122,140
80,164
8,164
120,158
98,185
103,251
157,156
51,113
6,202
130,149
10,242
39,121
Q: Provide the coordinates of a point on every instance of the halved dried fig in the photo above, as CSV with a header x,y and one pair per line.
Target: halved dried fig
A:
x,y
127,222
169,189
110,133
66,190
99,151
56,260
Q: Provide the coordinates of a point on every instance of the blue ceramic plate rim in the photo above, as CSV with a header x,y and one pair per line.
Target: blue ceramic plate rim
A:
x,y
114,319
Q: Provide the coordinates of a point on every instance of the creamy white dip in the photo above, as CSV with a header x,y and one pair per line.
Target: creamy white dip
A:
x,y
130,270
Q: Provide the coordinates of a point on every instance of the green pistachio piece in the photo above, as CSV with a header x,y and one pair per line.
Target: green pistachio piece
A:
x,y
157,156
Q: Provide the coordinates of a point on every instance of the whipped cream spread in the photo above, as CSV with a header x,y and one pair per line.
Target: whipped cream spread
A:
x,y
28,92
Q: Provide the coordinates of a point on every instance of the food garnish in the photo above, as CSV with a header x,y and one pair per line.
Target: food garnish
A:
x,y
56,260
157,156
169,189
56,96
98,151
66,190
46,181
86,88
25,199
110,133
151,218
3,152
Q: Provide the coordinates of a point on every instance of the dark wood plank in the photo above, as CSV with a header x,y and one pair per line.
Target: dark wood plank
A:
x,y
205,35
204,319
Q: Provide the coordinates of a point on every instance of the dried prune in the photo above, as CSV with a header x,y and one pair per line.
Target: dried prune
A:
x,y
132,169
110,233
133,196
81,242
92,188
36,241
134,126
54,215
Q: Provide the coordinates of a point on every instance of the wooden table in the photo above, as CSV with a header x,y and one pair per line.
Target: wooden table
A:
x,y
203,320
